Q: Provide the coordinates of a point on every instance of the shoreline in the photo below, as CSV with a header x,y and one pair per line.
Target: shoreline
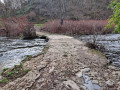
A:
x,y
14,50
62,66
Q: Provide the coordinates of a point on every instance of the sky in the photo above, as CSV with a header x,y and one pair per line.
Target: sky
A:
x,y
2,1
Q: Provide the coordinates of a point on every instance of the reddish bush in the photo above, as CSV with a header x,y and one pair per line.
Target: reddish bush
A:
x,y
77,27
13,26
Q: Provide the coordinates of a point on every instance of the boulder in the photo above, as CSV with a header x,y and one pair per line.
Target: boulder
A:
x,y
29,32
110,83
71,85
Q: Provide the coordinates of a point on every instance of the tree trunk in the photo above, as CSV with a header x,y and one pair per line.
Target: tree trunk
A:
x,y
62,10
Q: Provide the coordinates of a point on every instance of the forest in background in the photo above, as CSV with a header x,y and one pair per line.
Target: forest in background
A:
x,y
43,10
48,12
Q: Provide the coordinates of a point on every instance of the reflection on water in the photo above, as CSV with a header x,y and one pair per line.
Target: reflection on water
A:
x,y
88,83
12,51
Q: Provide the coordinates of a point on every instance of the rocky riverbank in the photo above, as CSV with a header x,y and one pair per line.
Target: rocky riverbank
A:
x,y
67,65
109,44
14,50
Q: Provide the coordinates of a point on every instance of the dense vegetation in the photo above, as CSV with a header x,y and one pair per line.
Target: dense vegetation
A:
x,y
51,9
115,18
40,11
77,27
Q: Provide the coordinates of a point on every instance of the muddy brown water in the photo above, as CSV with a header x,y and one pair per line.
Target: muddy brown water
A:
x,y
13,50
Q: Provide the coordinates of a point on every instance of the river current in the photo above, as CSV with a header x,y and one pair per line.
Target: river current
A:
x,y
13,50
111,44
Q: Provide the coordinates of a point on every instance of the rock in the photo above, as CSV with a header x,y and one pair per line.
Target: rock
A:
x,y
29,32
71,85
79,74
116,73
83,88
52,69
0,77
105,74
93,73
99,78
118,85
85,70
1,54
95,81
118,88
112,67
110,83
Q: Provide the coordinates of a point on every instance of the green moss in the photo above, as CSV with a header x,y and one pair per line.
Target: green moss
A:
x,y
13,73
38,25
5,69
28,57
4,80
44,50
97,52
65,55
17,71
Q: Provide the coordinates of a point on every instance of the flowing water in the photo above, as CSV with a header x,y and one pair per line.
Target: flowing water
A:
x,y
111,44
88,83
13,50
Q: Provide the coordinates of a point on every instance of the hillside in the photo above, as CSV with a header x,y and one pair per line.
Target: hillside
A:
x,y
75,9
50,9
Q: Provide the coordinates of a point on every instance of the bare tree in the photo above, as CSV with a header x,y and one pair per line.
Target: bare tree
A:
x,y
62,7
53,9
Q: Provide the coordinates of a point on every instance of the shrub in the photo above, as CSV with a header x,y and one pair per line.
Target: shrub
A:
x,y
15,26
115,18
77,27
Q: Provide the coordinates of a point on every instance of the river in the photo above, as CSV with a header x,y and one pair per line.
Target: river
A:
x,y
111,44
13,50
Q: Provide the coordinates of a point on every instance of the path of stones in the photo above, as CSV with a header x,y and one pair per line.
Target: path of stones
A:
x,y
67,65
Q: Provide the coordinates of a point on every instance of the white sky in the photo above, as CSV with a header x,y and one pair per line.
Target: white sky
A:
x,y
2,1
